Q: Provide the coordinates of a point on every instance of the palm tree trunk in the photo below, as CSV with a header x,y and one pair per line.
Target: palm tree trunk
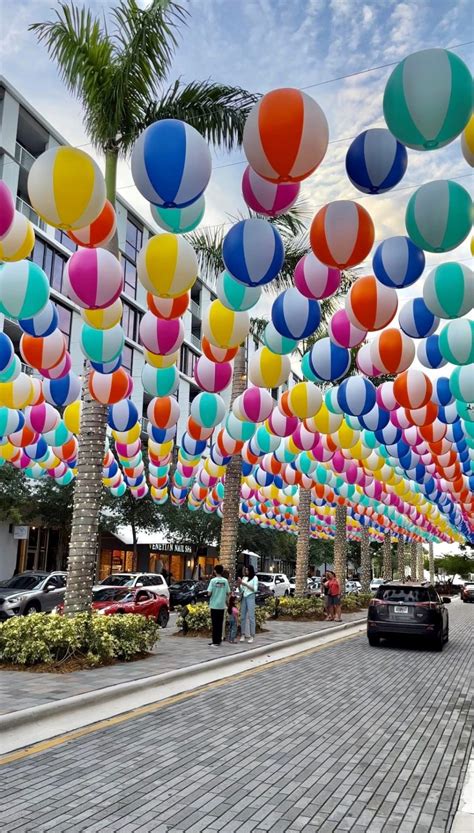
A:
x,y
413,560
340,549
420,565
302,544
401,558
387,556
431,558
365,561
233,475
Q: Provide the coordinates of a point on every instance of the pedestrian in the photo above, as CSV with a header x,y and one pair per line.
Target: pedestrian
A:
x,y
325,591
219,591
232,618
248,587
226,575
334,598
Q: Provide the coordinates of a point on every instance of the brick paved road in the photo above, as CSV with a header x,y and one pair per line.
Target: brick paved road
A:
x,y
349,738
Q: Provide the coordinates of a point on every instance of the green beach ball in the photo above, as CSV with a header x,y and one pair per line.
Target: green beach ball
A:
x,y
179,220
456,342
277,343
102,345
462,383
439,216
448,291
235,295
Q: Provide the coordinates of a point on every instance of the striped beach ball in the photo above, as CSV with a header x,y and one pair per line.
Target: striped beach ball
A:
x,y
63,391
167,265
462,383
392,351
42,324
163,411
253,405
103,319
253,251
16,394
99,232
171,164
280,424
269,198
24,437
160,336
196,431
356,396
66,188
364,362
224,327
160,381
212,376
467,142
158,361
267,369
342,234
12,370
179,220
24,289
218,354
102,345
439,215
304,400
11,420
370,305
428,98
397,262
329,361
429,354
277,343
109,388
18,241
123,416
285,136
343,333
375,161
412,389
239,429
235,295
168,308
448,291
314,279
7,209
6,352
416,320
43,352
107,367
295,316
456,342
42,418
208,409
93,278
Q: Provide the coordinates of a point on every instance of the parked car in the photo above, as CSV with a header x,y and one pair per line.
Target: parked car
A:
x,y
109,600
277,583
375,584
188,591
467,592
412,609
34,591
152,581
313,586
263,594
353,586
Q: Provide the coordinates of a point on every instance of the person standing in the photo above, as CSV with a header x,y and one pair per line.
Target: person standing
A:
x,y
233,618
219,592
334,598
248,589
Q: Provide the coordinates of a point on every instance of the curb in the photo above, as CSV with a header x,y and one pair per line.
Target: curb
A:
x,y
38,723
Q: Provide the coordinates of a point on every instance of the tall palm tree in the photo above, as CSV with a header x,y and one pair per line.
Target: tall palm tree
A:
x,y
401,557
387,556
365,561
119,71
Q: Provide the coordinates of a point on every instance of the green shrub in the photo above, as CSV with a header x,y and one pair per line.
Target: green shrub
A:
x,y
364,599
43,638
301,608
196,618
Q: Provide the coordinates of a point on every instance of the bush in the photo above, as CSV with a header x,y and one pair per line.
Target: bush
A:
x,y
295,607
43,638
196,618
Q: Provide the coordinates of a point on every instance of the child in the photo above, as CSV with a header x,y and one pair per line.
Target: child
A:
x,y
233,617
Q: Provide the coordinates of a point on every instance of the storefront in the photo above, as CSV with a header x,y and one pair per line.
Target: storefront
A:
x,y
178,561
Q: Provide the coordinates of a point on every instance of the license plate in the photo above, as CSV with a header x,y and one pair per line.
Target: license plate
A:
x,y
400,609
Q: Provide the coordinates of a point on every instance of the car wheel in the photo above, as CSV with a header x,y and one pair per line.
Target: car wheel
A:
x,y
286,593
374,640
31,608
163,617
438,642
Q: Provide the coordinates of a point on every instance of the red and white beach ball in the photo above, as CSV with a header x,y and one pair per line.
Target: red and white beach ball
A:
x,y
269,198
99,232
168,307
109,388
93,278
342,234
218,354
412,389
43,352
163,411
392,351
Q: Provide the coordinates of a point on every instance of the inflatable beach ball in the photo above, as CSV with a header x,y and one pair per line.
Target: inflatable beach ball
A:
x,y
295,316
18,242
99,232
314,279
163,411
93,278
370,305
467,142
42,324
429,353
168,308
439,216
212,376
342,234
123,416
375,161
102,345
63,391
57,371
167,265
253,251
416,320
18,393
285,136
342,332
269,198
456,342
109,388
103,319
364,361
42,418
160,361
208,409
218,354
448,291
7,209
428,98
392,351
235,295
223,327
277,343
397,262
6,353
24,289
328,361
43,353
356,396
12,370
160,336
253,405
462,383
66,188
11,421
160,381
179,220
107,367
280,424
303,400
267,369
412,389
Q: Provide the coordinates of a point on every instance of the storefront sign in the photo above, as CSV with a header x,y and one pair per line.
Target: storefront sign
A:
x,y
184,548
20,533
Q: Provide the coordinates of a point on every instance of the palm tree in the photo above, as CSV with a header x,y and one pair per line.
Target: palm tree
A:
x,y
387,556
365,560
401,557
119,73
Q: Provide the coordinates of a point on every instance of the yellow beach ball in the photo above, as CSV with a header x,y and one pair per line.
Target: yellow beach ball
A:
x,y
103,319
17,394
156,360
324,422
267,369
19,241
127,436
224,327
304,400
167,265
72,417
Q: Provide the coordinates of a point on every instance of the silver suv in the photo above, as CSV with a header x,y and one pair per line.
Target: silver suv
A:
x,y
31,592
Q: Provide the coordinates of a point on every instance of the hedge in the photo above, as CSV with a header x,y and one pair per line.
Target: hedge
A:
x,y
196,618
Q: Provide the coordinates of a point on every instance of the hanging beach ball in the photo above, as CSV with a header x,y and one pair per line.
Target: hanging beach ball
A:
x,y
168,308
253,251
329,361
429,353
285,136
103,319
160,336
163,411
167,265
356,396
277,343
427,99
467,142
109,388
370,305
314,279
19,240
218,354
253,405
364,361
42,324
212,376
45,352
123,415
72,417
11,421
66,188
280,424
439,215
306,369
266,197
6,352
397,262
24,289
160,381
456,341
208,409
16,394
448,291
62,391
12,370
295,316
392,351
235,295
99,232
58,370
93,278
179,220
224,327
462,383
42,418
412,389
7,209
342,234
375,161
267,369
343,333
158,361
239,429
304,400
102,345
171,164
416,320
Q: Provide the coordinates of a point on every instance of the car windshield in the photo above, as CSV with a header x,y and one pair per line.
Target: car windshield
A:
x,y
119,580
265,577
403,594
182,585
109,594
27,581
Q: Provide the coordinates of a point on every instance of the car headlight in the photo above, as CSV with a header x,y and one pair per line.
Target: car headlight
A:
x,y
101,611
15,599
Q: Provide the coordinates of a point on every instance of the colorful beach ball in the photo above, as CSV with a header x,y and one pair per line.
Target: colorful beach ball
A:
x,y
416,320
397,262
429,353
103,319
160,336
57,371
208,409
11,421
66,188
18,393
6,352
456,341
123,415
253,405
329,361
285,136
102,345
167,265
168,308
375,161
277,343
63,391
412,389
163,411
7,209
24,289
156,360
267,369
211,376
370,305
364,361
218,354
11,371
356,396
392,351
107,367
109,388
342,234
18,242
171,164
45,352
253,251
42,324
439,216
295,316
223,327
467,142
160,381
314,279
448,291
235,295
179,220
42,418
99,232
462,383
427,99
93,278
269,198
304,400
342,332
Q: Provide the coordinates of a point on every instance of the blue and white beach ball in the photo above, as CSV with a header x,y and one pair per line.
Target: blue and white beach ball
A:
x,y
329,361
62,391
429,354
6,351
42,324
356,396
295,316
253,251
375,161
123,415
442,394
416,320
397,262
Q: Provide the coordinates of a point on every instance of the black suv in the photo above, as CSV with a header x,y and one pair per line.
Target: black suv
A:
x,y
408,608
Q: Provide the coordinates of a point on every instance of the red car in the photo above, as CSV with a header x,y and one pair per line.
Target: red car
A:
x,y
123,600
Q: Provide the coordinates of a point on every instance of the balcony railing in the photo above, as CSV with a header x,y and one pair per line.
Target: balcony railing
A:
x,y
195,309
196,341
24,157
26,209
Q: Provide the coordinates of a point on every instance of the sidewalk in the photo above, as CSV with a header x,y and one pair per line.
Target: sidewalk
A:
x,y
22,689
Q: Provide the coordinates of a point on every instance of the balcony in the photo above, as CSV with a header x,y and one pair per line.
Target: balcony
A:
x,y
195,309
195,341
24,157
26,209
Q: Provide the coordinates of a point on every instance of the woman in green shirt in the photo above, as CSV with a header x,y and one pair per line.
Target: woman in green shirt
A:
x,y
248,587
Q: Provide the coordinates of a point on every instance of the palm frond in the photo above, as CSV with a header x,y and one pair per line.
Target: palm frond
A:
x,y
293,222
207,243
258,325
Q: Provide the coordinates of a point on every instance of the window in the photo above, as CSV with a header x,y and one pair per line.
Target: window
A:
x,y
66,241
37,255
193,392
130,321
404,594
56,276
64,320
127,358
129,277
133,239
51,261
187,360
